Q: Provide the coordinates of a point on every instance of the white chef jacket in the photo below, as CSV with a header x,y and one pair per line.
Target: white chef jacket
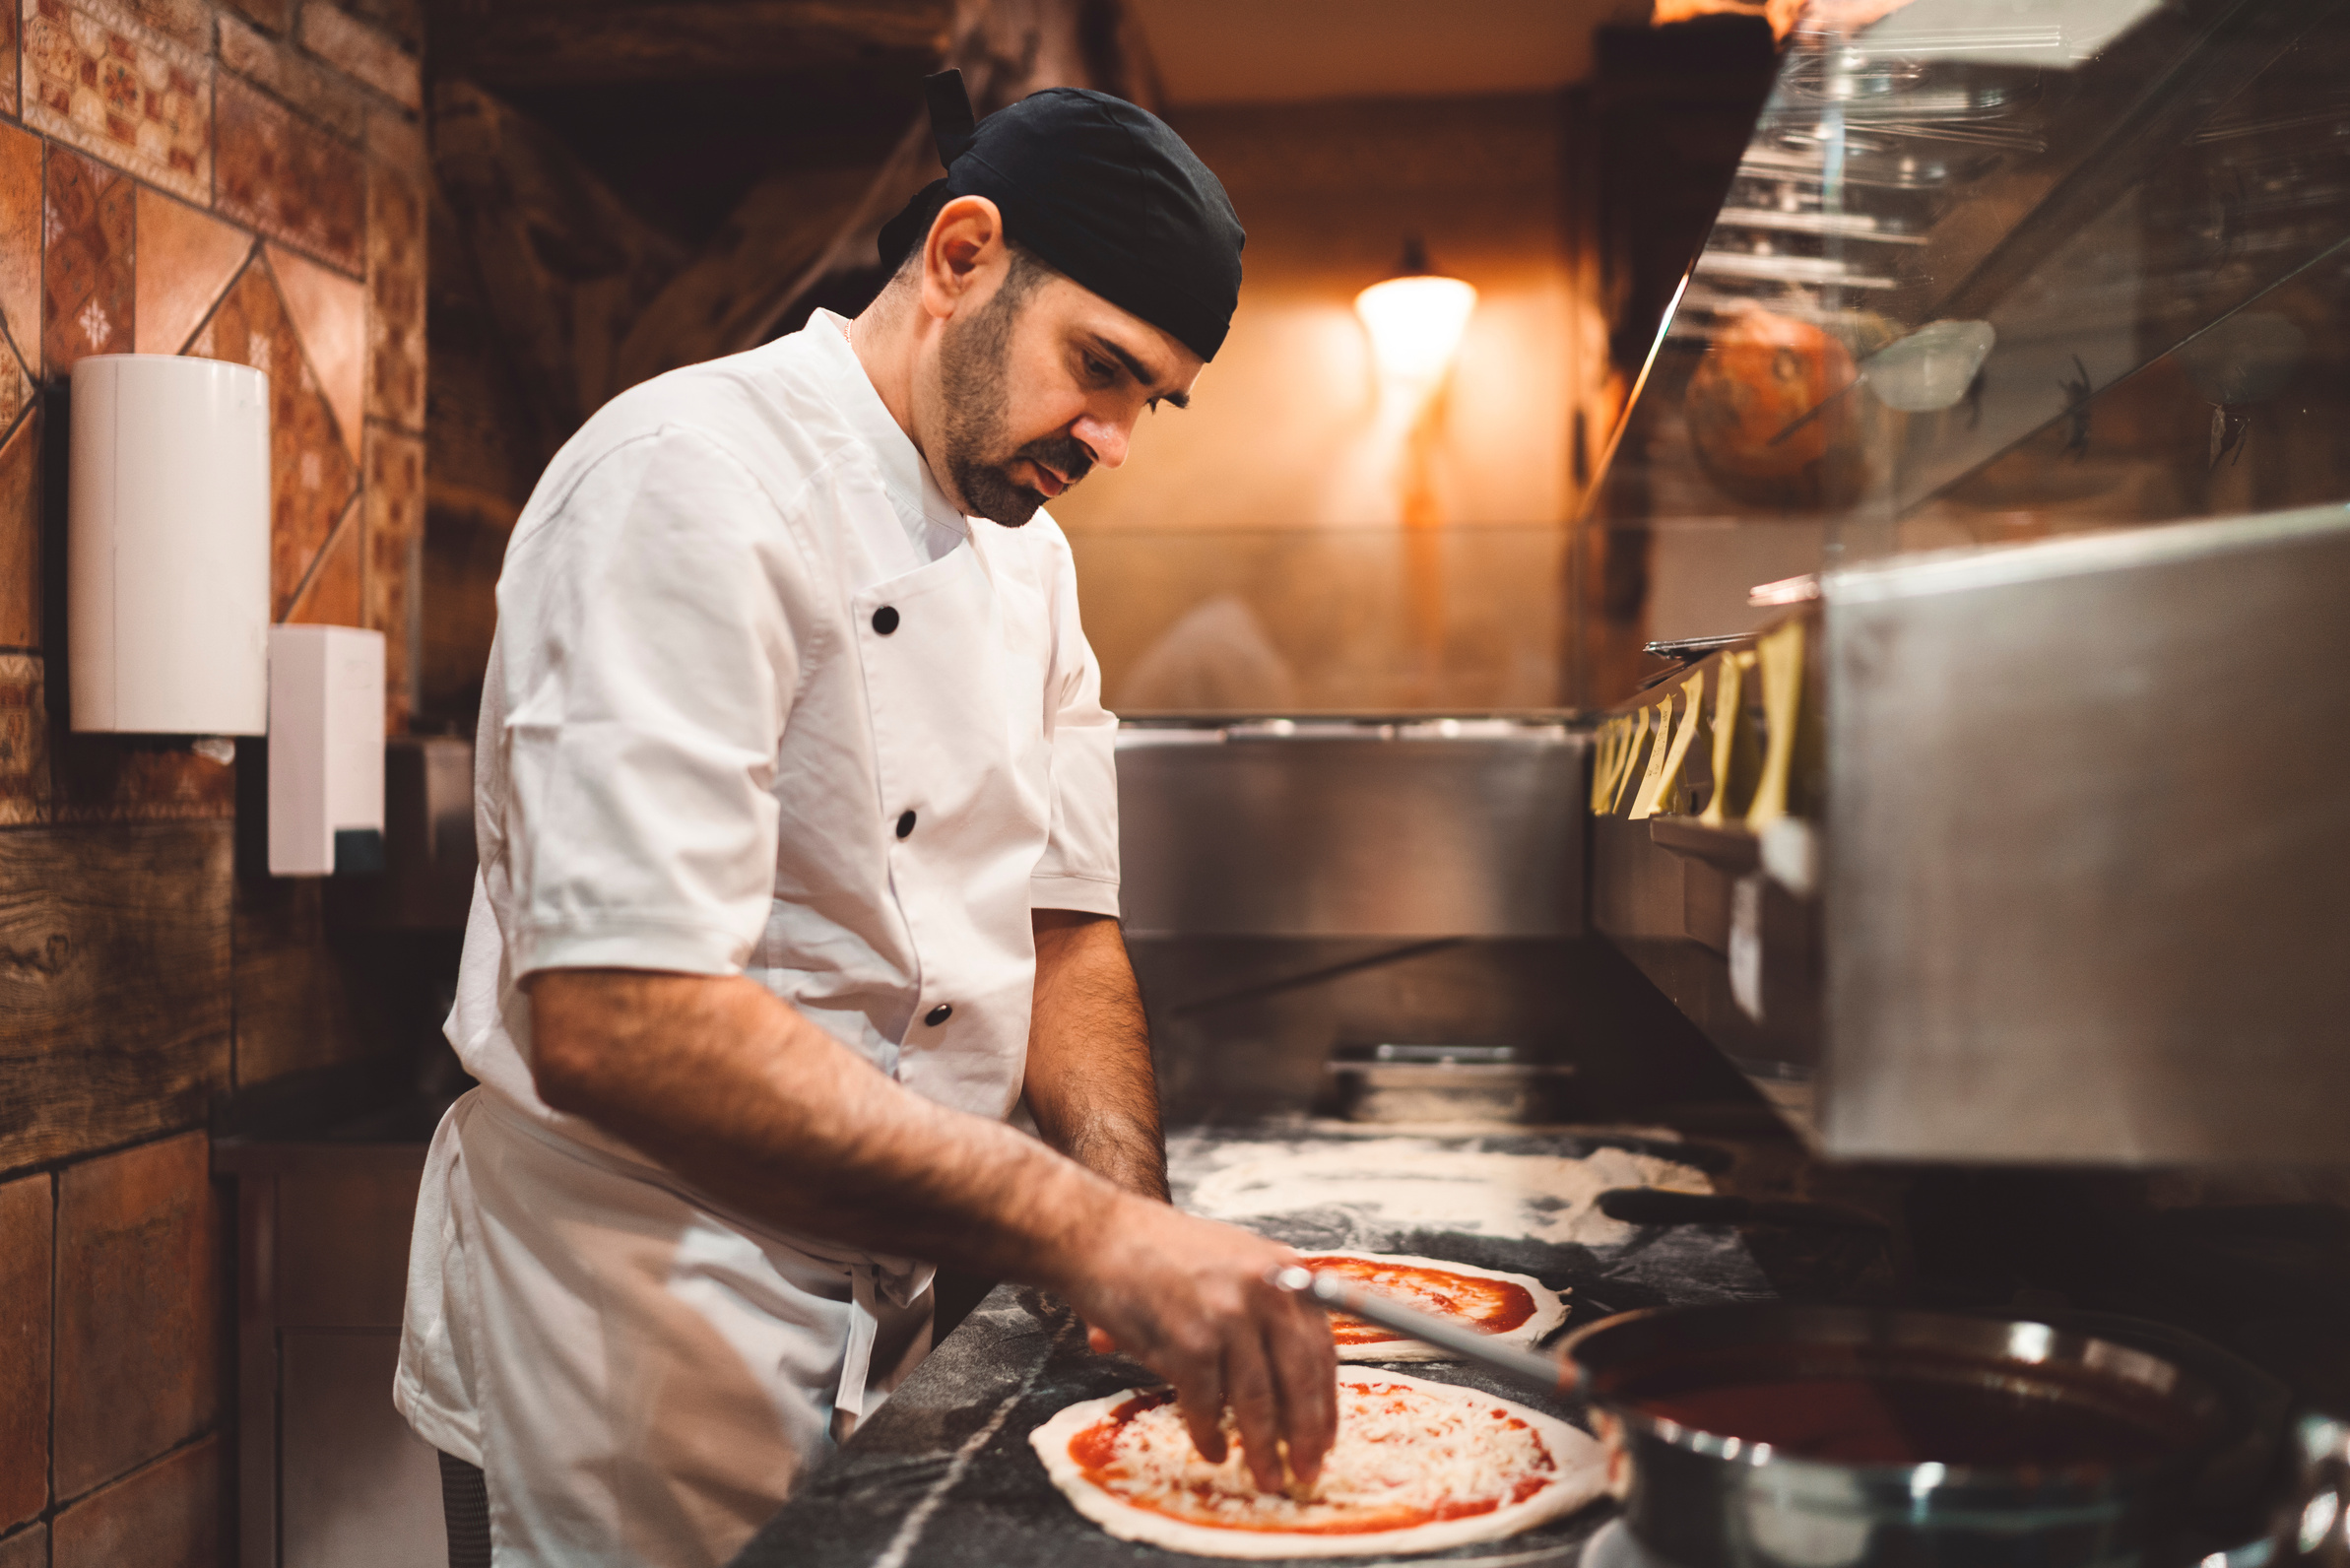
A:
x,y
762,701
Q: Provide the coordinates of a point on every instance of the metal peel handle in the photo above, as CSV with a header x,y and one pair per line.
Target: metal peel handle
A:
x,y
1334,1292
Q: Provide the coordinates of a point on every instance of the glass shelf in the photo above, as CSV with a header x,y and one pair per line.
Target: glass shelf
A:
x,y
1990,271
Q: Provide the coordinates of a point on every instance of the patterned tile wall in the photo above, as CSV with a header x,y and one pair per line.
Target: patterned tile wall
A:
x,y
157,200
396,301
280,176
243,181
10,69
88,296
329,594
105,82
187,258
329,312
395,543
19,242
20,545
311,472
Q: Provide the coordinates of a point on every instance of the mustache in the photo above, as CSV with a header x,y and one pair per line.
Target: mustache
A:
x,y
1064,455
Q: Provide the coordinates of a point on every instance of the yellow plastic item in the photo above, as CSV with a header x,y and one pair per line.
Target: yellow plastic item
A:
x,y
1783,700
1609,741
1643,799
1660,786
1725,731
1640,730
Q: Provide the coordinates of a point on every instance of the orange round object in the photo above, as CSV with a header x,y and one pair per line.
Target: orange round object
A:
x,y
1758,405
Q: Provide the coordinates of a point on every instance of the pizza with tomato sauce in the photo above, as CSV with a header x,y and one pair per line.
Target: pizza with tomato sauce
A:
x,y
1513,1308
1416,1467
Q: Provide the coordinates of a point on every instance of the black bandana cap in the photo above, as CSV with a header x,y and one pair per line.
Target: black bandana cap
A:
x,y
1101,191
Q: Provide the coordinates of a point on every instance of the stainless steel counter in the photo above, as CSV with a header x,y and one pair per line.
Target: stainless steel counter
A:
x,y
1351,828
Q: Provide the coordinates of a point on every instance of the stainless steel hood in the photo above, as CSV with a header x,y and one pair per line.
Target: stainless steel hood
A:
x,y
1375,829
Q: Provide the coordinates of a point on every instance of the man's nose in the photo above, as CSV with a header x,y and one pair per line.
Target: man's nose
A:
x,y
1104,438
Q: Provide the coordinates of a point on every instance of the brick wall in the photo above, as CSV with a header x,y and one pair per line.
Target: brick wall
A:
x,y
242,182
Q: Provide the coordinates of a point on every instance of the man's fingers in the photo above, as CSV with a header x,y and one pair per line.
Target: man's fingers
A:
x,y
1305,1368
1201,1399
1194,1303
1248,1384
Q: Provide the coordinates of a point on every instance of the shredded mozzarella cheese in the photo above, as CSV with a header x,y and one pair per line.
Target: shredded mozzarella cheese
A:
x,y
1402,1455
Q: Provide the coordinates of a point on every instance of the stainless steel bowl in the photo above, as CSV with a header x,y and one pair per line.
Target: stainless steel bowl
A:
x,y
2098,1445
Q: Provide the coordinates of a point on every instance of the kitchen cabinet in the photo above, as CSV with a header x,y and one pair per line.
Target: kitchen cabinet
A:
x,y
329,1474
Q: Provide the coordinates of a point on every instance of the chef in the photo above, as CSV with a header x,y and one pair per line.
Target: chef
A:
x,y
798,823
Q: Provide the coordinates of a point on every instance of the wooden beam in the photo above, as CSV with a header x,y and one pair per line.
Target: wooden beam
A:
x,y
727,295
790,235
570,42
561,260
589,300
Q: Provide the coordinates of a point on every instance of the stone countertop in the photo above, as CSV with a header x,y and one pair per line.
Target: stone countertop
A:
x,y
942,1476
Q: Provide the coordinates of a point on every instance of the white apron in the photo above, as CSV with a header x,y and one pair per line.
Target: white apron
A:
x,y
704,748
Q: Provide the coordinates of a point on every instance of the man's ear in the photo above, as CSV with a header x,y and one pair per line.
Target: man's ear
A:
x,y
965,247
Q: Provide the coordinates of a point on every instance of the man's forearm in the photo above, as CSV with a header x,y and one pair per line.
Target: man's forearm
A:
x,y
737,1093
1090,1085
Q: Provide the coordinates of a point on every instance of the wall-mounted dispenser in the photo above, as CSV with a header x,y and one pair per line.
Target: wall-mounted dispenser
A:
x,y
325,750
168,547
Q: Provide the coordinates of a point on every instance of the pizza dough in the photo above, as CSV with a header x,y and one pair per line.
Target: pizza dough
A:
x,y
1416,1466
1516,1309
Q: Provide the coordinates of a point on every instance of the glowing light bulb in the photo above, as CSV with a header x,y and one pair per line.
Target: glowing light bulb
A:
x,y
1415,324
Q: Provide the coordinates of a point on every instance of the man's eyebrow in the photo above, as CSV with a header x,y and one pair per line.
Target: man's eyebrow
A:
x,y
1141,372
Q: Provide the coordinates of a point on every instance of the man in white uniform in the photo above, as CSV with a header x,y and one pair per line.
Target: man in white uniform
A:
x,y
798,820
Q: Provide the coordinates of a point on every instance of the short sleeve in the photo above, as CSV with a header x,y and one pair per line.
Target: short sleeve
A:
x,y
1079,870
646,664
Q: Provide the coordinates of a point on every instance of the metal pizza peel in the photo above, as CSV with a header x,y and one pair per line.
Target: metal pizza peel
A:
x,y
1334,1292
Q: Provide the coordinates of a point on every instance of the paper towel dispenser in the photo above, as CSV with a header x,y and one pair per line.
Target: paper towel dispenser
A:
x,y
168,547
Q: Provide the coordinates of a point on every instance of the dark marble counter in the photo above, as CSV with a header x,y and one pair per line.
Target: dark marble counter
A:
x,y
942,1476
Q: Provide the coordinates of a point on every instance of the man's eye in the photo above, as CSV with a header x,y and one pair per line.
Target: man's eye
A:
x,y
1097,368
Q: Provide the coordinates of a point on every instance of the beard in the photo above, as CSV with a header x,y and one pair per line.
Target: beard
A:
x,y
972,375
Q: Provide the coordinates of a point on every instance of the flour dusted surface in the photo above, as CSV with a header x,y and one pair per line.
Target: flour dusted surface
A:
x,y
1405,1184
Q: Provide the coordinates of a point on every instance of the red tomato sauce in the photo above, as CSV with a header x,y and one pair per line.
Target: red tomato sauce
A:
x,y
1493,1305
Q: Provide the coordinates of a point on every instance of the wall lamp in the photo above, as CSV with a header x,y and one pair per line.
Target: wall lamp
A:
x,y
1415,318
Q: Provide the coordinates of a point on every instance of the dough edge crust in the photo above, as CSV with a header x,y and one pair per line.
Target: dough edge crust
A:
x,y
1583,1474
1550,1308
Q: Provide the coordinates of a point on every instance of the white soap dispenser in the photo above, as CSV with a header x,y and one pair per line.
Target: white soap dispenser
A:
x,y
325,750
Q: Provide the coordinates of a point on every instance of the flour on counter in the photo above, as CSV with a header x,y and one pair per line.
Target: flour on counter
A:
x,y
1405,1183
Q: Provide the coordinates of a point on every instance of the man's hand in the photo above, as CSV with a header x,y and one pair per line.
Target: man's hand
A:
x,y
1193,1301
1186,1298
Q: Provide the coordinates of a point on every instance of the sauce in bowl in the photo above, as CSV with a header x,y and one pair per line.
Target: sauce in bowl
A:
x,y
1891,1407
